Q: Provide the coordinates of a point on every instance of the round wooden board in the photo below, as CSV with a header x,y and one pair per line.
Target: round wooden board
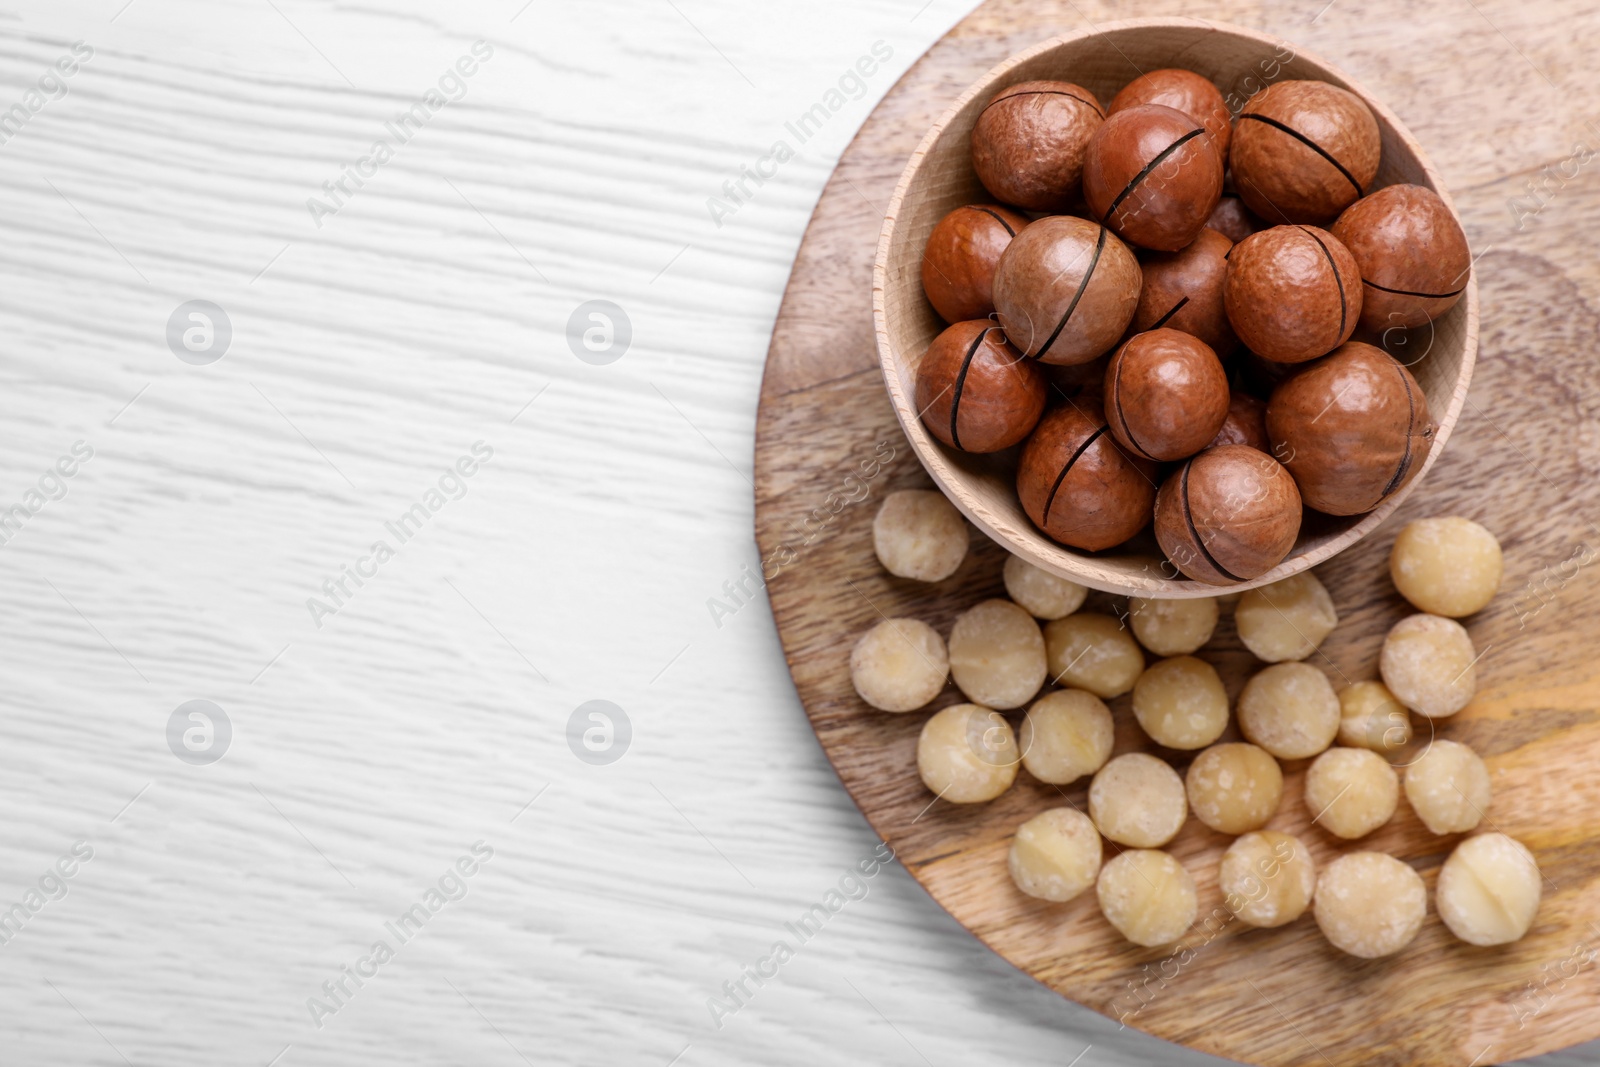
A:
x,y
1525,460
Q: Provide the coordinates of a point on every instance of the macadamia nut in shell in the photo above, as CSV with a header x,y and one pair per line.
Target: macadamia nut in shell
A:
x,y
1055,855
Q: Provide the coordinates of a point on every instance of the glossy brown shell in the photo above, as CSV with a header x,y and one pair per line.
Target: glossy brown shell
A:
x,y
1303,151
1292,293
1183,291
1166,395
1152,177
1185,91
1078,485
1066,289
975,392
1233,220
959,260
1230,514
1028,143
1353,428
1413,257
1246,423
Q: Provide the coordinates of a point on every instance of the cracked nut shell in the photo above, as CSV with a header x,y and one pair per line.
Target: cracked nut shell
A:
x,y
1078,485
1066,289
1228,515
1292,293
1185,91
1183,291
977,393
1152,176
1028,144
1411,253
1166,395
1352,428
959,260
1303,151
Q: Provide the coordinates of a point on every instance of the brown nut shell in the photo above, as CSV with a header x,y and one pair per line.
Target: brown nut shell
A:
x,y
1066,289
1183,291
1078,485
1028,143
975,392
1152,176
1352,428
1292,293
1413,257
1303,151
1228,515
1166,395
1185,91
1233,220
1246,423
959,260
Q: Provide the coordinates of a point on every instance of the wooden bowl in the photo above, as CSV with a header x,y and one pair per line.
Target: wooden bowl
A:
x,y
939,177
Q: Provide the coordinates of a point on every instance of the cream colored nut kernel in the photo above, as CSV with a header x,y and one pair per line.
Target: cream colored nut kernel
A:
x,y
1093,652
997,654
1286,620
1350,792
1148,897
1234,787
1181,703
919,534
967,754
1172,627
1043,594
1448,787
1489,889
1138,800
1370,717
1449,566
1428,664
1055,855
1290,710
899,665
1267,878
1370,904
1066,735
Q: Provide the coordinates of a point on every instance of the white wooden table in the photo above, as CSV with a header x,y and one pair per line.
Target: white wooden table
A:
x,y
374,737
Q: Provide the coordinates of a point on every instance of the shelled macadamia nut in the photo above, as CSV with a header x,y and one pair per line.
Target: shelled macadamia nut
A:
x,y
1066,735
899,665
1166,395
1091,651
975,392
1148,897
1448,787
919,534
1029,141
1290,710
1369,904
1370,717
1303,151
1172,627
1351,792
967,754
959,259
1138,800
1234,787
1267,878
1228,515
1181,703
1055,855
1078,485
1489,890
1066,289
997,654
1286,620
1447,566
1429,664
1040,593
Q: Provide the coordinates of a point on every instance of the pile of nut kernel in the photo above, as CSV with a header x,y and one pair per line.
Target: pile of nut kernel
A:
x,y
1204,291
1367,903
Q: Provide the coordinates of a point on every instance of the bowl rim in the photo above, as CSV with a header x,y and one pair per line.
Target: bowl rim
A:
x,y
1086,570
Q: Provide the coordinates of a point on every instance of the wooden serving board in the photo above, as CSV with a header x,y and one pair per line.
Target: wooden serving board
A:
x,y
1524,460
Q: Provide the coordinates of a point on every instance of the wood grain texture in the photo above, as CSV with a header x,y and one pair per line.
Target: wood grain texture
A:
x,y
1523,461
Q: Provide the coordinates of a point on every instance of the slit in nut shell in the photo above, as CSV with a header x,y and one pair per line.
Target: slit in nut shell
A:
x,y
1303,151
1228,515
1153,175
1292,293
1065,290
975,392
1078,485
